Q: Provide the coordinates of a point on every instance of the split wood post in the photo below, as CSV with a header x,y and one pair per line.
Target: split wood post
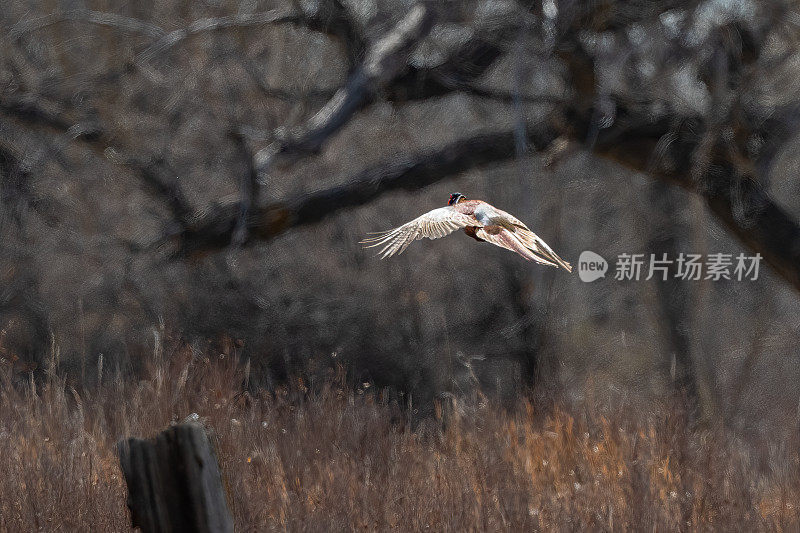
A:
x,y
174,482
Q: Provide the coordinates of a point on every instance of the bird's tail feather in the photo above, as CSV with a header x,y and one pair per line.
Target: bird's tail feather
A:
x,y
513,242
534,243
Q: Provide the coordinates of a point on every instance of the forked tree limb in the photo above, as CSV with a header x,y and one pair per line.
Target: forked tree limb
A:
x,y
735,198
241,20
384,62
410,171
329,17
738,201
153,172
767,229
384,68
99,18
732,192
734,195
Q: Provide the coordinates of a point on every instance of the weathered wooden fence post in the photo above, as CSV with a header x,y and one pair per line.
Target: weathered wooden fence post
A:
x,y
174,482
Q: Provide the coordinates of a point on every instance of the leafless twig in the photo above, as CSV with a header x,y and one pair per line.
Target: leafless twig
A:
x,y
172,38
99,18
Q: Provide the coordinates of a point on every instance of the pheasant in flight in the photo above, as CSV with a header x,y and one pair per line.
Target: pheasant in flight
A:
x,y
479,220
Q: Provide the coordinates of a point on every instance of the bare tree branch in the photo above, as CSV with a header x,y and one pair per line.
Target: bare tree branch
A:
x,y
635,140
384,62
44,113
765,227
153,171
331,17
464,66
732,193
17,191
157,176
409,172
99,18
220,23
249,187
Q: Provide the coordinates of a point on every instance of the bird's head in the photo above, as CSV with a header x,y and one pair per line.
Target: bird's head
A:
x,y
455,198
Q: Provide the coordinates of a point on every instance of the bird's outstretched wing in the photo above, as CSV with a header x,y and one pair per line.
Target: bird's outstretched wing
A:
x,y
516,232
432,225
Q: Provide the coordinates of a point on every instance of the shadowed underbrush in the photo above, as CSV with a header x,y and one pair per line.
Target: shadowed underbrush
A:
x,y
343,457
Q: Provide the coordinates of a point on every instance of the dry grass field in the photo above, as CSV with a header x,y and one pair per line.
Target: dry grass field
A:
x,y
211,167
343,458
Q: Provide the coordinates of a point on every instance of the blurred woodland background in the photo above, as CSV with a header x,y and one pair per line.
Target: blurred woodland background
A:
x,y
205,170
183,186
